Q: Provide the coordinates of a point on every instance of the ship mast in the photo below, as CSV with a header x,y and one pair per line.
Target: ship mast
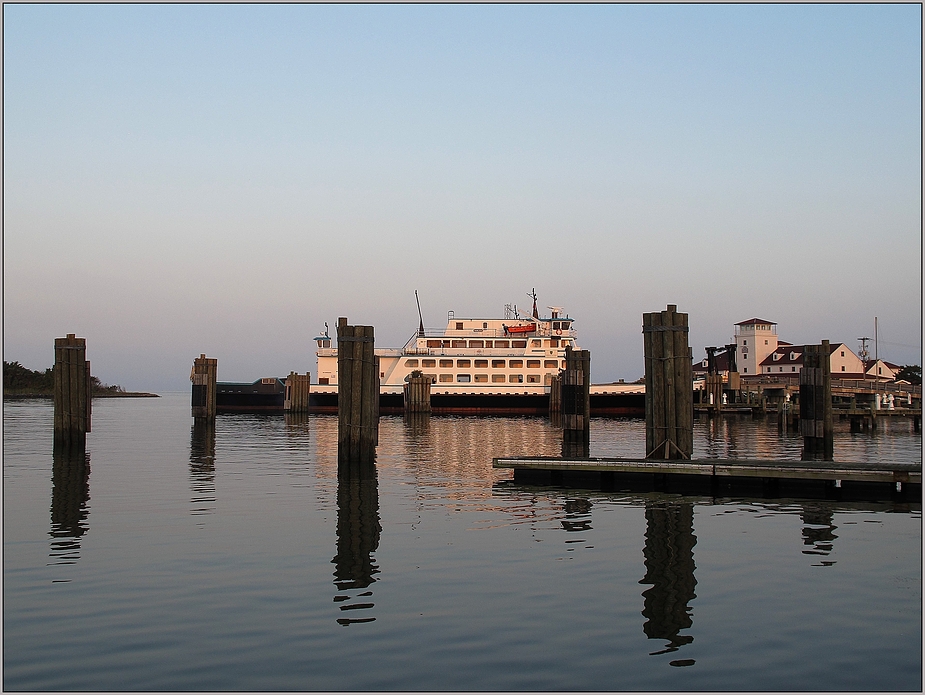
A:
x,y
532,294
420,315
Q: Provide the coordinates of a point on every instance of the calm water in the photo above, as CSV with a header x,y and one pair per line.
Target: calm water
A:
x,y
178,559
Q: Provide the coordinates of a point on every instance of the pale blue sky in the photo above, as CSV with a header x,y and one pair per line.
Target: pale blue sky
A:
x,y
181,179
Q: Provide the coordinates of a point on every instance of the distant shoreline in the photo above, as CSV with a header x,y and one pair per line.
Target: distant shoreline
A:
x,y
50,396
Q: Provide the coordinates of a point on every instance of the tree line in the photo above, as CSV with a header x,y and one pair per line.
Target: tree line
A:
x,y
17,378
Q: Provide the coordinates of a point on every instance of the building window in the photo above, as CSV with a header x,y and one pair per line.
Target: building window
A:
x,y
428,363
842,353
879,370
497,364
793,369
516,378
551,364
765,342
744,342
481,378
463,378
446,363
463,363
533,364
497,378
780,369
481,364
446,377
533,378
516,364
843,367
745,370
411,363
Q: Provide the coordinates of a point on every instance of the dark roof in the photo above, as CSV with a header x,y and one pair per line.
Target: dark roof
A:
x,y
753,321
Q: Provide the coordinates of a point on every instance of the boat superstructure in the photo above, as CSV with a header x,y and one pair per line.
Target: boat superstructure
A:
x,y
511,355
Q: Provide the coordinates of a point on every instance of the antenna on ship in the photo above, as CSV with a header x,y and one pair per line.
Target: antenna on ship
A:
x,y
536,314
420,315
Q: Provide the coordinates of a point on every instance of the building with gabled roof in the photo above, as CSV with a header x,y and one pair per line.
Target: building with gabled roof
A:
x,y
788,360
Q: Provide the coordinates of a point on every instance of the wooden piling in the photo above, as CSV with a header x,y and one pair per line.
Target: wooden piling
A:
x,y
816,402
298,388
417,393
357,394
204,377
669,391
555,395
576,402
72,397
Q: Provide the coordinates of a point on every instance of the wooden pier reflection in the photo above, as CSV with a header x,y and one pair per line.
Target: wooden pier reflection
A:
x,y
358,530
669,560
69,496
202,465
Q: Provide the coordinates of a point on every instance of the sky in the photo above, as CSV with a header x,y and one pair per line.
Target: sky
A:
x,y
224,179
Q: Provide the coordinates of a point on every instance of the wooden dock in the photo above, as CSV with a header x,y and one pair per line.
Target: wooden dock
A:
x,y
766,478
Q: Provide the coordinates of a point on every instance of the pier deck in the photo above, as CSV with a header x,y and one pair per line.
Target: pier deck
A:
x,y
827,478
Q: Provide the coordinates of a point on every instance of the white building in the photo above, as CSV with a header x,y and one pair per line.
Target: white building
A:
x,y
755,340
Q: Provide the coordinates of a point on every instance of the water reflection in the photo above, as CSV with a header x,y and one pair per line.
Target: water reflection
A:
x,y
818,532
202,466
358,530
669,560
577,515
69,496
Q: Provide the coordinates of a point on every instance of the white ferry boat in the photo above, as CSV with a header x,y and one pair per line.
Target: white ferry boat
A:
x,y
513,356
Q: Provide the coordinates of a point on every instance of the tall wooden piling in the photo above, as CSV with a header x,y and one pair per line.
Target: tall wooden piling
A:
x,y
204,377
417,393
72,388
669,386
357,394
816,402
555,396
576,403
298,388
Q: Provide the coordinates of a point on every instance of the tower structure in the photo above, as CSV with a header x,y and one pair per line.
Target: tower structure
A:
x,y
755,340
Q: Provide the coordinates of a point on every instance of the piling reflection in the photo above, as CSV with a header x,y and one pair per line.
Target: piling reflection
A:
x,y
577,515
69,496
818,532
202,466
358,530
669,560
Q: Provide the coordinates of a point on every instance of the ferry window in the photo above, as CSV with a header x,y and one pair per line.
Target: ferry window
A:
x,y
459,343
516,378
500,343
517,364
463,378
428,363
446,363
497,378
476,343
463,363
459,325
533,378
554,342
446,343
551,364
487,343
446,377
481,378
556,326
537,343
411,363
432,377
484,324
533,364
518,343
434,343
483,364
497,364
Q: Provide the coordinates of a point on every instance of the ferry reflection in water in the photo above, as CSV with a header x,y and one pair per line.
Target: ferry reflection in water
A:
x,y
202,466
818,532
69,496
358,530
669,560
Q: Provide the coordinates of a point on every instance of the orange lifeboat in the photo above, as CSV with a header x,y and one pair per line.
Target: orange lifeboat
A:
x,y
529,328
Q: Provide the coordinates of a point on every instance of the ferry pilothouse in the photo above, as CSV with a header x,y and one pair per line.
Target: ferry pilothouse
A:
x,y
510,356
